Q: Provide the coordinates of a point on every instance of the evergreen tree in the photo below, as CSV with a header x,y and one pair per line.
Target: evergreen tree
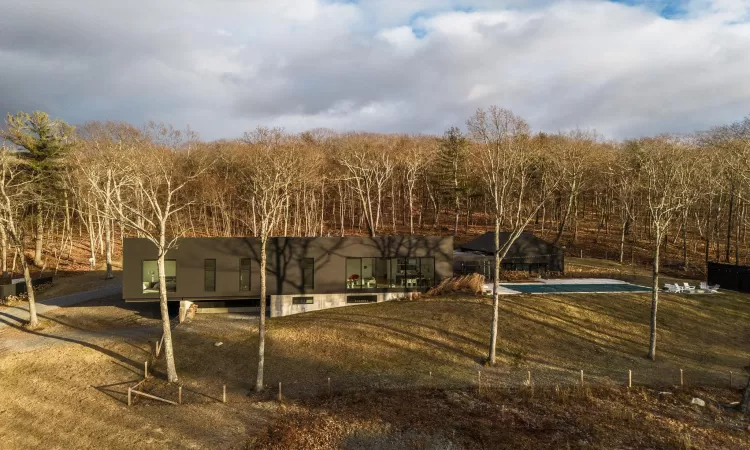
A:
x,y
42,143
451,165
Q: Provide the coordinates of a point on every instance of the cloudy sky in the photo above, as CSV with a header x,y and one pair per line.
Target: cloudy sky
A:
x,y
627,68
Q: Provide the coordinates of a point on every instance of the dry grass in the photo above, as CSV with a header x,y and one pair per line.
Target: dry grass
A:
x,y
472,284
546,418
443,342
67,388
419,358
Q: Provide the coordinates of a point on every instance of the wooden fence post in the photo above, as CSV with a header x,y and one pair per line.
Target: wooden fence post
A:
x,y
129,396
682,381
279,390
528,378
145,369
581,377
224,393
630,379
179,395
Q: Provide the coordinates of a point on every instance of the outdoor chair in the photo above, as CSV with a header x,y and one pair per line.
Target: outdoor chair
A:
x,y
672,288
688,288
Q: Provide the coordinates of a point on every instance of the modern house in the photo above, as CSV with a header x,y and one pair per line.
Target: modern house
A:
x,y
303,274
527,253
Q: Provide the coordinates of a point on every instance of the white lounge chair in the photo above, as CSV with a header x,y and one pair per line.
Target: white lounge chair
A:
x,y
672,288
687,288
709,289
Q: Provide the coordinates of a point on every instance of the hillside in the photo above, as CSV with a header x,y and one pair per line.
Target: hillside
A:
x,y
393,366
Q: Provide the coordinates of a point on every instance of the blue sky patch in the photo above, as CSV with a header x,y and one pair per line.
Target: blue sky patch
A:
x,y
669,9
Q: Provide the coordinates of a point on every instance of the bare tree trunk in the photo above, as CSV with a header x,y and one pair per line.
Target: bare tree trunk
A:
x,y
262,321
625,227
166,325
92,239
108,231
492,357
737,239
729,223
33,320
458,207
3,252
708,230
654,297
39,237
684,239
564,218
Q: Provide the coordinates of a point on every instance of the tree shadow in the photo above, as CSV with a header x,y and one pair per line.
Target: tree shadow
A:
x,y
82,343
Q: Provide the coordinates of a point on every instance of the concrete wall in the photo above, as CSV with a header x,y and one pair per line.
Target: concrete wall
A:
x,y
282,305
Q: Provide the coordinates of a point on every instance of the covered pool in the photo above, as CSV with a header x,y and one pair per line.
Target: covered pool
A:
x,y
570,288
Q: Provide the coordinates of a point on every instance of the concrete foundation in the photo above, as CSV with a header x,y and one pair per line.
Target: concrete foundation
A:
x,y
283,305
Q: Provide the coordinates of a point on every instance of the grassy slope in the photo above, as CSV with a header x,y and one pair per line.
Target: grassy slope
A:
x,y
400,343
388,345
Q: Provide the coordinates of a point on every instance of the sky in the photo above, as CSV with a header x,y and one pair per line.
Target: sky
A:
x,y
626,68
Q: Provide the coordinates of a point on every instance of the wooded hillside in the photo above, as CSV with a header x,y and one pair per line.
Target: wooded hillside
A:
x,y
104,180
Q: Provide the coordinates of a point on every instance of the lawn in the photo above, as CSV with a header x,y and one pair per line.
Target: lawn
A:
x,y
443,342
403,346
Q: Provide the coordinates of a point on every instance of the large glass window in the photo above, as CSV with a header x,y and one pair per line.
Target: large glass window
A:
x,y
151,276
368,273
353,273
427,272
245,274
209,275
308,273
381,273
412,272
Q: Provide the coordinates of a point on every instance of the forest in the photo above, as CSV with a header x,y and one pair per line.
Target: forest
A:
x,y
676,200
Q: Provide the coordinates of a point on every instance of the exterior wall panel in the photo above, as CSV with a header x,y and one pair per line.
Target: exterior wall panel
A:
x,y
284,255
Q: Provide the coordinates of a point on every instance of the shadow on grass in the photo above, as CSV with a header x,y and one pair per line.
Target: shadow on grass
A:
x,y
82,343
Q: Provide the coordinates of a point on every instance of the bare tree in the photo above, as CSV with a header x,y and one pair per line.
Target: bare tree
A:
x,y
369,169
510,169
575,160
122,174
16,195
269,170
413,162
665,167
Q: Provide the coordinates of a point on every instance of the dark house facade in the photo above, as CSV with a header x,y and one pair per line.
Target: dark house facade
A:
x,y
303,274
528,253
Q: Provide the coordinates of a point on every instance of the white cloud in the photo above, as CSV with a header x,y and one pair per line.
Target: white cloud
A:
x,y
383,65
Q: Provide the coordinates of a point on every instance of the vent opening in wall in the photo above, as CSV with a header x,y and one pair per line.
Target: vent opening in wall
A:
x,y
302,301
361,298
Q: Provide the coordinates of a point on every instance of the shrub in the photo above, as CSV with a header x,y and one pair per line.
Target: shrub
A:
x,y
473,284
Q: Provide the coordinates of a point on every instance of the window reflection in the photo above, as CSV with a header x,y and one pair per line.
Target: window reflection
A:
x,y
151,276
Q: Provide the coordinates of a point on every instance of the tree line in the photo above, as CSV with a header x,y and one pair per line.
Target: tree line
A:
x,y
101,181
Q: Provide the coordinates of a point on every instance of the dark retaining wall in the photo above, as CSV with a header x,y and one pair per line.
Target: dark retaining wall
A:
x,y
7,290
729,276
